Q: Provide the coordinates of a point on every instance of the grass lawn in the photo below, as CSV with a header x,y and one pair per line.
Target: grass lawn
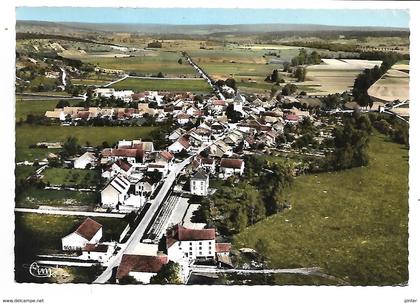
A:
x,y
159,61
38,107
34,197
24,171
353,223
134,84
31,134
45,231
59,176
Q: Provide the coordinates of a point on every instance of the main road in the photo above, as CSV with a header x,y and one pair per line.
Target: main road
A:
x,y
138,233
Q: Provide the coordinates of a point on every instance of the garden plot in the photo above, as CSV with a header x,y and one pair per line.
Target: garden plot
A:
x,y
394,85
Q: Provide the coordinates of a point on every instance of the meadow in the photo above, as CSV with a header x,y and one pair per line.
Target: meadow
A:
x,y
139,85
45,231
35,107
31,134
147,64
353,223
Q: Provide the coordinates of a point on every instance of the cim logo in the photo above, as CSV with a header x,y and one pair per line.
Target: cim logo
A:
x,y
40,271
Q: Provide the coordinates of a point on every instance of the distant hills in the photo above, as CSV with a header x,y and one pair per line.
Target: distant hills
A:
x,y
68,27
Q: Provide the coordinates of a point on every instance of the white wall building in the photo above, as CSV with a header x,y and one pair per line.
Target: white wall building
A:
x,y
191,244
141,267
115,192
199,183
84,160
89,232
230,167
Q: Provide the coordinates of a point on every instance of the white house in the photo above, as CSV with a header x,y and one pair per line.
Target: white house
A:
x,y
119,167
89,232
179,145
140,267
97,252
191,244
115,192
199,183
230,167
176,134
145,186
125,95
84,160
183,119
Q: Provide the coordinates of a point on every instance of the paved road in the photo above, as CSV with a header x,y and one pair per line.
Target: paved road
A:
x,y
116,81
68,213
138,233
205,76
307,271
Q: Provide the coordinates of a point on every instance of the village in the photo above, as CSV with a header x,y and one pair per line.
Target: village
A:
x,y
208,159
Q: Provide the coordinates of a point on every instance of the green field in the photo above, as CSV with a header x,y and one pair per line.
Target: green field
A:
x,y
139,85
161,61
353,223
31,134
38,107
45,231
34,197
59,176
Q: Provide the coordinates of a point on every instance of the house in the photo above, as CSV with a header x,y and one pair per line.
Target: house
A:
x,y
89,232
208,164
119,167
292,119
181,144
176,134
191,244
220,148
165,157
199,183
230,167
115,192
88,159
142,268
183,119
56,115
145,186
97,252
218,105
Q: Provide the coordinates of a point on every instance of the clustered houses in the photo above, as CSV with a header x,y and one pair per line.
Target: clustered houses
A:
x,y
86,239
133,170
183,246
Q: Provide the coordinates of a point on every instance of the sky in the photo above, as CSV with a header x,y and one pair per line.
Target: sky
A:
x,y
189,16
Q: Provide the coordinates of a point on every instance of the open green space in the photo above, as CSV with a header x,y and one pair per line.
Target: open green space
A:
x,y
60,176
162,61
38,107
31,134
35,197
44,232
138,85
352,223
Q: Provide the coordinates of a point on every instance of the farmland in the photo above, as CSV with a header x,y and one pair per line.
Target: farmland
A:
x,y
59,176
31,134
38,107
148,64
336,76
392,86
195,85
351,223
34,197
47,230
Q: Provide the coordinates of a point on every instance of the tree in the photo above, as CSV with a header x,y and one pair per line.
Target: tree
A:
x,y
286,67
62,104
300,74
160,75
275,76
288,89
180,61
231,83
168,274
70,146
